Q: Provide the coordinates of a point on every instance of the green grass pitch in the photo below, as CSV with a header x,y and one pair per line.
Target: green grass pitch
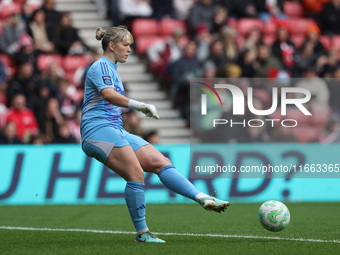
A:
x,y
312,222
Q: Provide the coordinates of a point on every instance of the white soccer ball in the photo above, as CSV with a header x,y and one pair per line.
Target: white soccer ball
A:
x,y
274,215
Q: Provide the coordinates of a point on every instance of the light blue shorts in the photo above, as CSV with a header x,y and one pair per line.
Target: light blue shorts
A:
x,y
100,143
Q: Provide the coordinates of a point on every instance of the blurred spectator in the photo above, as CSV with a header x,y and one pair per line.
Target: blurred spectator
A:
x,y
240,8
330,18
247,62
74,125
317,87
68,40
3,77
26,13
64,134
9,135
27,53
48,123
23,118
233,71
219,20
51,77
313,8
163,54
269,8
10,37
184,69
132,123
334,91
331,134
162,9
217,56
228,37
203,39
39,139
52,19
253,39
22,83
203,11
38,30
265,62
67,105
304,59
209,70
152,137
284,49
131,9
182,8
313,36
114,12
39,100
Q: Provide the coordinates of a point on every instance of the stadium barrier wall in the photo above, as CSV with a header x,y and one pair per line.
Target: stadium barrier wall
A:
x,y
62,174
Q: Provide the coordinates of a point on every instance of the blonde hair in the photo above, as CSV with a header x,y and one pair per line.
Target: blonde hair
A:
x,y
113,34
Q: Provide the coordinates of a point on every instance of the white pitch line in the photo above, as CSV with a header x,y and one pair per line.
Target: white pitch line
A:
x,y
170,234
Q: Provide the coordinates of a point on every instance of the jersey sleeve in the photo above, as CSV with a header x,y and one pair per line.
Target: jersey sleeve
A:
x,y
101,76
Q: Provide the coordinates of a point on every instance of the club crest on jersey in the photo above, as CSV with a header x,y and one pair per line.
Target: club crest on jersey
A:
x,y
107,80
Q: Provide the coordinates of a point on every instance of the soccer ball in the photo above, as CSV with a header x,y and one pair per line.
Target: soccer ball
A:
x,y
274,215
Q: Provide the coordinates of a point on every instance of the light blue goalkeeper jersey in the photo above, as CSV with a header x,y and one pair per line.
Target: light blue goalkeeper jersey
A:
x,y
96,112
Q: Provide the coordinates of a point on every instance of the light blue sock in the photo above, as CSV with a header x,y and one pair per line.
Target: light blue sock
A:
x,y
176,182
135,201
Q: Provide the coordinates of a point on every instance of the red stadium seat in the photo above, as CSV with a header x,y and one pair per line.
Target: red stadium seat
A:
x,y
299,25
8,9
144,42
142,27
324,39
45,60
244,25
269,39
9,65
167,26
336,42
72,62
297,39
293,9
269,27
3,98
305,134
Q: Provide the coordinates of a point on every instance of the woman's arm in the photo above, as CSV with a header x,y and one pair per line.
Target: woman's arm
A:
x,y
115,98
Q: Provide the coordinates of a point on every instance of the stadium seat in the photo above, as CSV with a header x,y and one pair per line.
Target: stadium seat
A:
x,y
3,98
8,9
142,27
9,65
167,26
269,39
296,114
297,39
72,62
305,134
293,9
299,25
269,27
44,60
144,42
336,42
324,39
244,25
232,22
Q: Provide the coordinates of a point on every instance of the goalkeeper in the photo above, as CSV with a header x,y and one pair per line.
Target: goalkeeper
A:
x,y
104,138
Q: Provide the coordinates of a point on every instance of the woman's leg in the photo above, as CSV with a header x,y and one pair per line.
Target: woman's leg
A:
x,y
153,161
125,163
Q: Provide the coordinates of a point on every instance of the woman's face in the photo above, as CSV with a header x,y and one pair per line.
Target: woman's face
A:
x,y
122,51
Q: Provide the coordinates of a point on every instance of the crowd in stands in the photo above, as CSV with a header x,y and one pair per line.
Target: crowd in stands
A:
x,y
43,60
270,39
